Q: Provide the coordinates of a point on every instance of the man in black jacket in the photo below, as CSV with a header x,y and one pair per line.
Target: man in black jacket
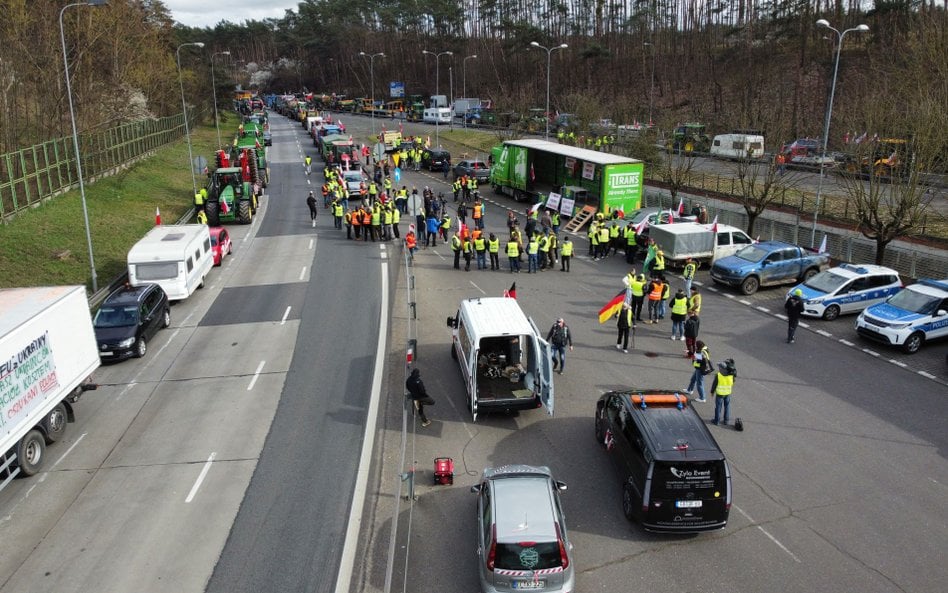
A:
x,y
418,394
794,307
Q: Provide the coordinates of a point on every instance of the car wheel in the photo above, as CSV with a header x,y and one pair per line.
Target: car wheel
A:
x,y
628,502
55,423
30,452
166,318
230,249
600,435
750,285
831,313
140,348
809,274
913,343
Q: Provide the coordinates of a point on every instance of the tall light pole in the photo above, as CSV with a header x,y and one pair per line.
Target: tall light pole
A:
x,y
438,88
372,81
651,88
217,123
829,113
184,109
75,135
549,53
464,74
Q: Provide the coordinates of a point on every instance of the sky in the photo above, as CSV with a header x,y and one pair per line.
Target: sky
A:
x,y
207,13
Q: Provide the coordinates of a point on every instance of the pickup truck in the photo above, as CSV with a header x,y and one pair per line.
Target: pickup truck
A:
x,y
768,263
682,241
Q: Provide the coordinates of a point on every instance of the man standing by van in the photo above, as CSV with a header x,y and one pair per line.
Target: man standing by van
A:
x,y
419,396
721,388
559,338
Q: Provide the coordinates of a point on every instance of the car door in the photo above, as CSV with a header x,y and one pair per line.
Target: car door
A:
x,y
544,369
150,317
770,268
852,296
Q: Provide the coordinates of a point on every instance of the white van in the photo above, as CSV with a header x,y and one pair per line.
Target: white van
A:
x,y
436,115
505,363
738,146
176,258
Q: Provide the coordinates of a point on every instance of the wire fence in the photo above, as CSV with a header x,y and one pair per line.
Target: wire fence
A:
x,y
31,175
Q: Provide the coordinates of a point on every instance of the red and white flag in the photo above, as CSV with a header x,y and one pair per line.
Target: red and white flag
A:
x,y
671,216
400,129
639,228
536,207
714,224
681,207
533,175
511,292
224,207
157,216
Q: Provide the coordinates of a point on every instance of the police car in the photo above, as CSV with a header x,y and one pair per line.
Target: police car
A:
x,y
915,315
847,289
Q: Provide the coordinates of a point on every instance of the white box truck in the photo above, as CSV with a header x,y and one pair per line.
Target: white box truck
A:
x,y
176,258
699,242
47,355
462,106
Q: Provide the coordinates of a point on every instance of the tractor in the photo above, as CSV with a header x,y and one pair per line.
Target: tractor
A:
x,y
688,138
230,196
883,158
414,110
536,121
250,140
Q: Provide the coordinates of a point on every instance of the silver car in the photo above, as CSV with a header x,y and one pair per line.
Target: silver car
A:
x,y
522,544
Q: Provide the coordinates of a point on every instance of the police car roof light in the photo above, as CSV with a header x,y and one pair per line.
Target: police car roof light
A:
x,y
942,284
854,268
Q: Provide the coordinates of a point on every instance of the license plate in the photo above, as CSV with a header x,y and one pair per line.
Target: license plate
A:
x,y
106,353
688,504
529,584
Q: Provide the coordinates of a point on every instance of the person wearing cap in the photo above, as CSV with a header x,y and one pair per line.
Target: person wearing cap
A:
x,y
559,338
721,388
419,395
794,307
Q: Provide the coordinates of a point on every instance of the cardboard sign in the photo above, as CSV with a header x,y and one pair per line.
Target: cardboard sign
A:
x,y
589,171
553,202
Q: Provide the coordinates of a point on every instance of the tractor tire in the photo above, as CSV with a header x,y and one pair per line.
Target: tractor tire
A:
x,y
244,214
212,210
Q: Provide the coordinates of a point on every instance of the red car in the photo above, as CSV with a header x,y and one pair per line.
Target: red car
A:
x,y
220,244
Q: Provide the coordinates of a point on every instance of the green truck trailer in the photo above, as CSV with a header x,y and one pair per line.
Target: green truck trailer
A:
x,y
529,170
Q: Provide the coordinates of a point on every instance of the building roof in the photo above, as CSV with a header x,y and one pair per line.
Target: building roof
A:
x,y
583,154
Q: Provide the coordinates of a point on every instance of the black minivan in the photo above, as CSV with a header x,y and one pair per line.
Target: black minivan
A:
x,y
674,475
128,318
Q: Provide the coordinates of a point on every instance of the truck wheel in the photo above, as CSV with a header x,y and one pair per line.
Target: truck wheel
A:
x,y
809,274
831,313
140,348
750,285
212,210
628,502
243,212
30,452
913,343
55,423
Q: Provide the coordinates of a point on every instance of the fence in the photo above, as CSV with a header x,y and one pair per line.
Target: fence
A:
x,y
30,175
912,261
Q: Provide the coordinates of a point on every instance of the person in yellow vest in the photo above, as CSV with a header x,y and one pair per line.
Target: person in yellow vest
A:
x,y
467,251
199,199
493,249
625,325
543,243
513,254
456,248
679,312
566,254
376,221
638,287
722,389
347,219
689,274
654,298
614,232
307,163
593,235
387,184
631,244
201,217
396,218
603,241
666,292
533,247
552,250
387,222
480,249
658,267
555,221
445,227
456,188
337,211
694,302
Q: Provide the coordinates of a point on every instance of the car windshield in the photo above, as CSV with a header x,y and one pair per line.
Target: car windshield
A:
x,y
752,253
827,282
528,555
116,316
914,301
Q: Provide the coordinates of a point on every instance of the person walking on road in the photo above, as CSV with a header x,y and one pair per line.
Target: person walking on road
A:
x,y
689,274
559,338
679,312
690,328
308,163
794,307
721,388
626,324
702,366
419,395
313,210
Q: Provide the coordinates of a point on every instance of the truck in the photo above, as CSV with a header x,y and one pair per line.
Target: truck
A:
x,y
739,146
47,355
462,106
768,263
532,169
701,243
805,153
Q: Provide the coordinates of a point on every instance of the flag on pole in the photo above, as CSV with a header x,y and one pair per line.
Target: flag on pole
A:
x,y
639,228
224,207
671,216
533,176
511,293
823,245
681,206
714,224
157,216
536,207
612,307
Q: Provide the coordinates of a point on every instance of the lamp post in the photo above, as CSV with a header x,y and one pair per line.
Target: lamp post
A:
x,y
437,88
464,74
549,53
651,88
829,113
372,81
184,108
75,135
217,123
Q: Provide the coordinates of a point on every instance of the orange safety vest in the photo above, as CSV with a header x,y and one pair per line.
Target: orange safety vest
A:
x,y
410,240
477,211
656,294
367,218
355,218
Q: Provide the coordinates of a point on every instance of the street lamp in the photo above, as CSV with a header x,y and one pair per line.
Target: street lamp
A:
x,y
437,89
372,81
75,135
651,89
829,113
549,52
464,74
184,107
217,123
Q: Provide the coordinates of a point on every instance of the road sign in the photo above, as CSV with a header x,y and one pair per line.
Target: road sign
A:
x,y
396,90
378,152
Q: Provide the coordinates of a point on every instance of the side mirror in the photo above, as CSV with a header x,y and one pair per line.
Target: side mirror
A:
x,y
942,313
476,488
561,486
450,322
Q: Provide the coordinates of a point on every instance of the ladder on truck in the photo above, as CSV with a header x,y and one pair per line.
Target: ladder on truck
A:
x,y
580,220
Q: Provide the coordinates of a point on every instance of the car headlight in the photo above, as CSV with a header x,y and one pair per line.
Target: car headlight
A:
x,y
126,342
899,325
818,301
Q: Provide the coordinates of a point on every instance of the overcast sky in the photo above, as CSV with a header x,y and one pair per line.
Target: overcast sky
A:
x,y
207,13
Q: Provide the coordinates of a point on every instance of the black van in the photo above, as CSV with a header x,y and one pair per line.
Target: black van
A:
x,y
674,476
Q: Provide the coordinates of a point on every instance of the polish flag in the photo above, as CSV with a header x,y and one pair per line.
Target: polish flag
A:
x,y
671,216
681,207
224,208
157,216
639,228
714,224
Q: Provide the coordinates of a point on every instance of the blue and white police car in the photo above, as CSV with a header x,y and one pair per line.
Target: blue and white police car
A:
x,y
847,289
913,316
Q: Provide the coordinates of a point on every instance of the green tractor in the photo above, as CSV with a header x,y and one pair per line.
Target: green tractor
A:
x,y
229,198
415,108
688,138
535,121
250,141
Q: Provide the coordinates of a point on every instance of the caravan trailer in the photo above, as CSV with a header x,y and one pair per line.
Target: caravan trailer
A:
x,y
738,146
176,258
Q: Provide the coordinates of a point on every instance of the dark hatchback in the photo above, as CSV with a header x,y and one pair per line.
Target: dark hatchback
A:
x,y
128,319
436,160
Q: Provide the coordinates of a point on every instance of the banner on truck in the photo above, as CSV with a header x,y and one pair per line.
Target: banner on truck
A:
x,y
622,187
26,379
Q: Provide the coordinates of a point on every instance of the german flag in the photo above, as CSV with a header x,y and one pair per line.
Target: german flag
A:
x,y
612,307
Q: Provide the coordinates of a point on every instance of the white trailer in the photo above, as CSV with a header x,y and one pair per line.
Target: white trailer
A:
x,y
738,146
436,115
681,241
47,355
177,258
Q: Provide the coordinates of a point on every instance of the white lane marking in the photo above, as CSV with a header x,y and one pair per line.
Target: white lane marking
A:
x,y
846,342
255,375
310,243
126,389
347,561
166,344
302,272
898,363
804,325
781,316
925,374
727,295
383,255
824,333
69,450
764,309
285,315
439,255
477,287
200,479
765,532
745,302
872,352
